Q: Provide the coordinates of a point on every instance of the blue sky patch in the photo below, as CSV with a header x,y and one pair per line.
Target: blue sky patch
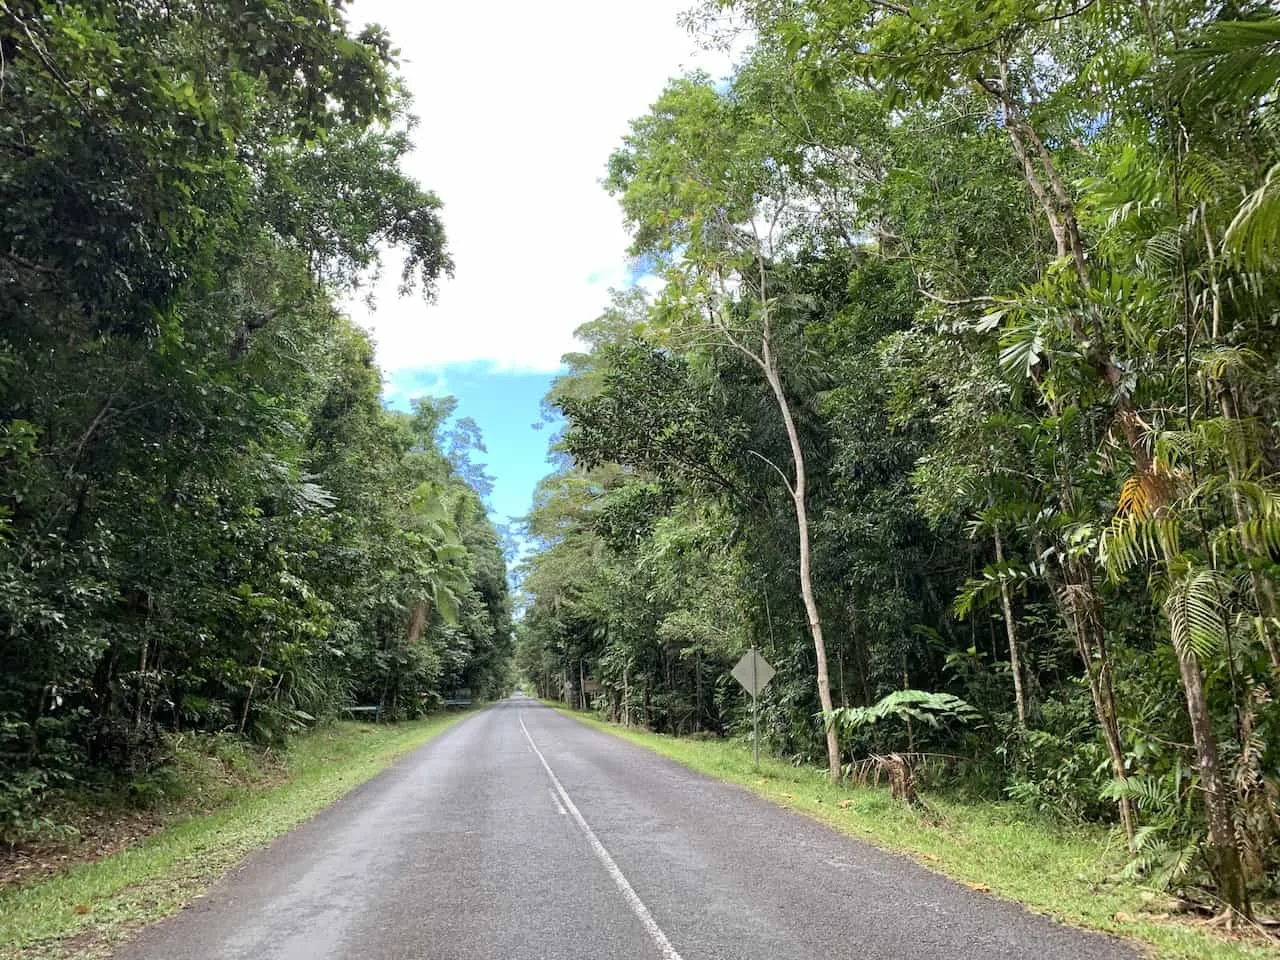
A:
x,y
507,406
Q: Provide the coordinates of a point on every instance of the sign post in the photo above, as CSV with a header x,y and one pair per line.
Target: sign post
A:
x,y
754,673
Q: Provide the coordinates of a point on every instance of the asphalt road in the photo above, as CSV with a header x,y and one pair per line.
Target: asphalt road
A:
x,y
520,834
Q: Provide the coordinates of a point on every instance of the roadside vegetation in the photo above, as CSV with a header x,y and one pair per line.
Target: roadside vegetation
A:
x,y
211,529
954,391
232,801
1072,872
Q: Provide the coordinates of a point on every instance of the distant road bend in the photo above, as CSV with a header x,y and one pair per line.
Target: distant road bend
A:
x,y
520,834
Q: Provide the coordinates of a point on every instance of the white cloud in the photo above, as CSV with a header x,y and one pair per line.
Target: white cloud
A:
x,y
521,104
404,384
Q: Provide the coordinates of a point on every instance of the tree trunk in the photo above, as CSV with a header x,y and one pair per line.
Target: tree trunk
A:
x,y
1015,658
142,671
697,668
1217,803
1264,593
802,524
844,697
248,700
1079,602
417,619
861,659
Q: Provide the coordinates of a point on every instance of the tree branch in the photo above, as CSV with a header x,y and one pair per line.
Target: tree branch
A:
x,y
960,302
778,470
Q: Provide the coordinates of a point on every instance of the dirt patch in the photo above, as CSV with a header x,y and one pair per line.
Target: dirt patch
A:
x,y
93,832
90,836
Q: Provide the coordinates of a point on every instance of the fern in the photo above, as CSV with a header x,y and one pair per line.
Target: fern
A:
x,y
931,709
1151,794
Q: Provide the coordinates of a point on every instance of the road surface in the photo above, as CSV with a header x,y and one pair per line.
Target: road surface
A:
x,y
520,834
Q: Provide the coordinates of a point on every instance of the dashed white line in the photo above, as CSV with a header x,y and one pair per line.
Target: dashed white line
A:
x,y
628,892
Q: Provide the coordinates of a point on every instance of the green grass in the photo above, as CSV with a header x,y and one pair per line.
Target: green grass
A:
x,y
83,911
1054,869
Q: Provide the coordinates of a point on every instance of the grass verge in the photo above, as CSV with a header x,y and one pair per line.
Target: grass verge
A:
x,y
1002,848
89,908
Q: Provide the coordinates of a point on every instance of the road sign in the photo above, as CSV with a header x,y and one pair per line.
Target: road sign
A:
x,y
753,672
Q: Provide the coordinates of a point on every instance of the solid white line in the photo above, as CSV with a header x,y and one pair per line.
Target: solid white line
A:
x,y
556,800
633,900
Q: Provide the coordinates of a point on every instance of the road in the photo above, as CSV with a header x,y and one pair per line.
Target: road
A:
x,y
520,834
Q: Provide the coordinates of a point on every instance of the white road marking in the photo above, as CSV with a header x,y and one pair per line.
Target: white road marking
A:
x,y
628,893
556,800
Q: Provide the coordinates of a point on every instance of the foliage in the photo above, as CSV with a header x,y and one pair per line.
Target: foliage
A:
x,y
1014,268
209,522
931,709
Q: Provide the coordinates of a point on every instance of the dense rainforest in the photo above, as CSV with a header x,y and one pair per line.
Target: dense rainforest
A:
x,y
956,394
209,522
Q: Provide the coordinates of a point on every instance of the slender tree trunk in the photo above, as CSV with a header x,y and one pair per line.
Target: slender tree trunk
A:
x,y
1015,657
1264,593
142,670
697,668
1217,802
798,499
861,659
844,697
1081,606
797,488
157,667
248,700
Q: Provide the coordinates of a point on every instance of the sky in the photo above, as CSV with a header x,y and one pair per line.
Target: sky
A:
x,y
520,105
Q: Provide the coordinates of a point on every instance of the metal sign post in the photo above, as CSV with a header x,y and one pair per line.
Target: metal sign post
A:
x,y
755,715
754,673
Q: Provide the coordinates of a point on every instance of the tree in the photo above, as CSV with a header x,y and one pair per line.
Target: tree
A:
x,y
719,284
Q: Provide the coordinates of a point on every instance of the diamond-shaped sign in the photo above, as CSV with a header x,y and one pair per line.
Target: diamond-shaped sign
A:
x,y
753,672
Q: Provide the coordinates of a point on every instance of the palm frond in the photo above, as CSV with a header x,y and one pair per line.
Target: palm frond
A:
x,y
1197,619
1223,361
1020,350
1252,537
1254,233
1133,499
1234,62
1131,539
